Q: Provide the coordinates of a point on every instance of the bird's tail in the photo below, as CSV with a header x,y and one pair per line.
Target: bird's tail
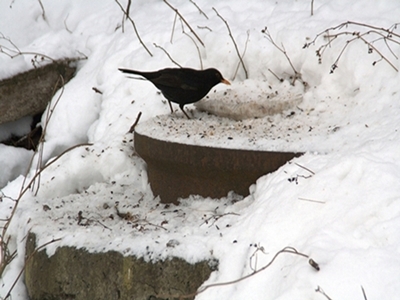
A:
x,y
130,71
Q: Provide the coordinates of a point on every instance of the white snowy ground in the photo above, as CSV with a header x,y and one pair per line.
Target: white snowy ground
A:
x,y
338,203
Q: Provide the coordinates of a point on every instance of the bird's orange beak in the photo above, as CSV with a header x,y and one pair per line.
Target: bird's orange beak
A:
x,y
225,81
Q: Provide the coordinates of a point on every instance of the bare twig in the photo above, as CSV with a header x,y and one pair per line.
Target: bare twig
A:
x,y
125,17
304,168
312,7
128,7
319,290
277,77
371,35
364,294
198,50
132,129
23,191
194,42
65,24
201,12
244,52
169,56
255,257
234,42
216,217
297,75
49,114
289,250
204,27
14,51
183,19
134,27
43,12
27,260
173,29
312,200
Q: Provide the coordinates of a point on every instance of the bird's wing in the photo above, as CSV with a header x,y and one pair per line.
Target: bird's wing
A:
x,y
167,80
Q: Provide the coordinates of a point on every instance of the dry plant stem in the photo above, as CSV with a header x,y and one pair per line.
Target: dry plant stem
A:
x,y
312,7
7,224
204,27
234,42
304,168
173,29
28,259
361,37
43,12
201,12
312,200
297,75
276,76
128,8
194,42
5,257
12,53
65,24
132,129
319,290
198,50
364,294
254,255
49,114
169,56
244,52
289,250
385,34
186,23
215,218
134,27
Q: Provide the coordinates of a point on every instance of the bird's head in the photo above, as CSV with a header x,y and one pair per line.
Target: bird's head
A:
x,y
218,76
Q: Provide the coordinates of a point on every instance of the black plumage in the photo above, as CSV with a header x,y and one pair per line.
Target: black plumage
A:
x,y
182,85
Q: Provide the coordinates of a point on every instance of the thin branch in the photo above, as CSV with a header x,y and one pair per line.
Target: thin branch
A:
x,y
194,42
134,27
387,35
173,29
312,200
297,75
169,56
49,114
319,290
33,180
14,52
132,129
43,12
27,260
204,27
304,168
289,250
234,42
183,19
244,52
277,77
380,54
364,294
312,7
201,12
198,50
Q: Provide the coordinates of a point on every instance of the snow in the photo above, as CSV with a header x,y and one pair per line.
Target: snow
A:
x,y
338,203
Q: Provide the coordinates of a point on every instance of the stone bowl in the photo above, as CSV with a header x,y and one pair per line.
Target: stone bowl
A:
x,y
178,170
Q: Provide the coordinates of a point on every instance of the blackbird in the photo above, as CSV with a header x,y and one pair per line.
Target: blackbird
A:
x,y
182,85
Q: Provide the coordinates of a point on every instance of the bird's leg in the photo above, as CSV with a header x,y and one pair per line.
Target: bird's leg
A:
x,y
181,107
170,106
